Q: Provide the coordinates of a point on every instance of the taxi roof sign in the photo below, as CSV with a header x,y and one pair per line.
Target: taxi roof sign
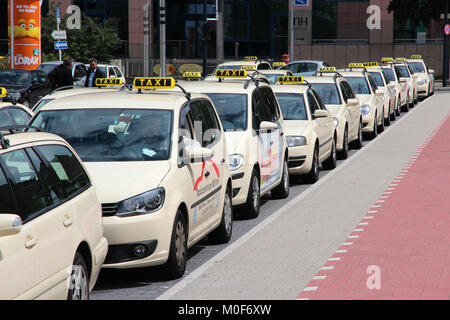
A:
x,y
231,74
327,70
249,68
290,80
192,75
106,82
250,58
278,64
3,92
400,59
356,65
387,59
416,56
370,64
153,83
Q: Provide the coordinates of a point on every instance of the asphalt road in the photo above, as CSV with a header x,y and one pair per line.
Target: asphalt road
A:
x,y
148,284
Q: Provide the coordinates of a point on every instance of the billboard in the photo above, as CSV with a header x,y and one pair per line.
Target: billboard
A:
x,y
24,34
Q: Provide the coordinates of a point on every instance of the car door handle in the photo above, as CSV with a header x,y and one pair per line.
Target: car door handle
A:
x,y
68,221
207,174
271,142
223,161
30,243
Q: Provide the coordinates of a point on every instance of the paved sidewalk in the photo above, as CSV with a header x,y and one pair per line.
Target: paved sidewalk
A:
x,y
401,248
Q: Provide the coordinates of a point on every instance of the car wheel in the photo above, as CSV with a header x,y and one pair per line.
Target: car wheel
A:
x,y
282,190
374,133
176,263
381,126
343,154
358,143
313,175
223,232
251,207
79,280
399,108
331,162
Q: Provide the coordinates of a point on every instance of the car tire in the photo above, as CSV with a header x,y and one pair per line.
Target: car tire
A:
x,y
358,143
253,203
176,262
79,280
282,190
387,121
331,162
374,133
381,126
313,175
399,108
223,232
343,154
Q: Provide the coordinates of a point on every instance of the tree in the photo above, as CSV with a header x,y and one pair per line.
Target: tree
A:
x,y
419,11
96,39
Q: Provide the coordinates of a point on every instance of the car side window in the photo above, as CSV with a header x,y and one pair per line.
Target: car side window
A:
x,y
5,120
111,72
205,123
20,116
372,83
313,105
308,67
7,200
34,77
386,78
319,100
43,78
260,108
344,91
293,67
80,71
118,73
351,94
270,101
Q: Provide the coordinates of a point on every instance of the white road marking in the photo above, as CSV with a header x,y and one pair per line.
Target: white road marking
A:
x,y
319,277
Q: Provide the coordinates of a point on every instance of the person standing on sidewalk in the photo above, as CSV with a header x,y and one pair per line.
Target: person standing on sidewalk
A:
x,y
93,74
61,76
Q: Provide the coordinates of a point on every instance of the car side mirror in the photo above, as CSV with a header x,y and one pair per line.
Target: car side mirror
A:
x,y
267,126
352,102
10,224
320,114
379,93
193,152
431,71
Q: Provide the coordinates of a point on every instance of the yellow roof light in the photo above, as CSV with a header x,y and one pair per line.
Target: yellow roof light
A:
x,y
387,59
251,58
416,56
356,65
3,92
290,79
370,64
400,59
279,64
195,75
107,82
249,68
231,73
327,70
154,83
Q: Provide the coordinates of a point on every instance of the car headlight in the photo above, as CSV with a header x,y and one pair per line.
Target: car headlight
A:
x,y
365,109
144,203
293,141
236,161
336,122
422,82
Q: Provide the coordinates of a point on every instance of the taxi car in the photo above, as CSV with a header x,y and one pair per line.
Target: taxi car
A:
x,y
159,162
247,62
388,88
51,234
12,114
253,124
309,128
425,76
339,98
407,75
387,64
273,75
372,105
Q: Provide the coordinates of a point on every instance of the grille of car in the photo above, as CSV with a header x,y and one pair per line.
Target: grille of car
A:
x,y
110,209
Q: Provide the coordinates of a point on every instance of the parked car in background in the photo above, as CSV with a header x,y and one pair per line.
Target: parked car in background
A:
x,y
25,86
78,70
110,71
306,67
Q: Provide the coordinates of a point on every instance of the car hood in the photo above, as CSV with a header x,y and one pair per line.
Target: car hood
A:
x,y
117,181
295,127
364,98
13,88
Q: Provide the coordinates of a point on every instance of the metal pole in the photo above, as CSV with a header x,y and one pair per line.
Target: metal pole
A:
x,y
291,29
146,40
57,28
162,38
205,35
445,74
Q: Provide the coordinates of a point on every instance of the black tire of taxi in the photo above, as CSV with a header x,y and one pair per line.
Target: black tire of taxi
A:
x,y
381,126
175,266
250,209
78,290
374,133
358,143
331,162
313,175
282,190
343,154
223,232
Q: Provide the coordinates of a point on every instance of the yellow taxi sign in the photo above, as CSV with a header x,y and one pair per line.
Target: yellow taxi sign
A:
x,y
370,64
249,68
416,56
400,59
356,65
106,82
153,83
290,79
3,92
327,70
231,73
279,64
250,58
192,75
387,59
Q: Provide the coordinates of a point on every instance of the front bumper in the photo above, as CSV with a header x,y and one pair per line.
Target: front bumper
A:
x,y
300,159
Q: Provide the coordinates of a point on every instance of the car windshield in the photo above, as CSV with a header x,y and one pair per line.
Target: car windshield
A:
x,y
273,78
102,70
359,85
328,92
14,77
232,110
40,104
390,74
378,78
106,135
403,71
417,67
47,68
292,106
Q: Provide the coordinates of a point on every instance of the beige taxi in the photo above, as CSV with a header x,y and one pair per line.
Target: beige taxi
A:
x,y
339,98
11,113
159,161
309,128
253,124
407,75
249,63
51,234
273,75
425,76
370,98
387,65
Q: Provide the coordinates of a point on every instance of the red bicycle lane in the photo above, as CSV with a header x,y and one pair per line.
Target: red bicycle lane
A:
x,y
400,249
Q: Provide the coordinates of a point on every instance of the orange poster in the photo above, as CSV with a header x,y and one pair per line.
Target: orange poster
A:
x,y
24,34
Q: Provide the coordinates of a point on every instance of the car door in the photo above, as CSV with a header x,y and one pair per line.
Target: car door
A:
x,y
119,74
111,73
355,111
321,125
79,75
18,263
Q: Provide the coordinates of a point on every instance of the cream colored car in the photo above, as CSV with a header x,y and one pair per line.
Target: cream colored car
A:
x,y
273,75
401,87
372,105
339,98
248,62
309,128
159,160
253,123
406,75
51,234
14,114
425,76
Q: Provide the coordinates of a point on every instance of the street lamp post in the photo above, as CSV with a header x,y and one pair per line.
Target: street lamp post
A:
x,y
445,73
162,38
